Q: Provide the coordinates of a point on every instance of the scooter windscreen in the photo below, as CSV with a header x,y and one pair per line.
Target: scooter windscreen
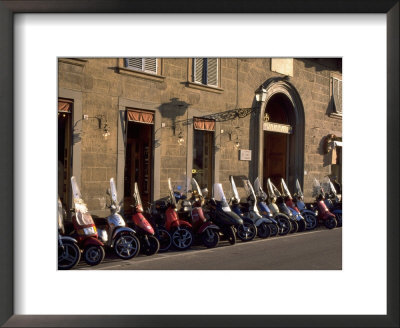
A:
x,y
136,195
272,190
251,194
219,196
285,189
298,189
171,193
258,189
78,201
60,215
113,189
234,189
328,186
195,186
317,189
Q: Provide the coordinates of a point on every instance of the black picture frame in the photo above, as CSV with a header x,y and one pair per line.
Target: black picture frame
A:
x,y
7,11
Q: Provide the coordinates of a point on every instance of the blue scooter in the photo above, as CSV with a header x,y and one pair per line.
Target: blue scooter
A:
x,y
271,211
309,216
249,209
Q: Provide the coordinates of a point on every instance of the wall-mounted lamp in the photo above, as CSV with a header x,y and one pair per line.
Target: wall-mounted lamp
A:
x,y
100,119
236,141
181,140
261,94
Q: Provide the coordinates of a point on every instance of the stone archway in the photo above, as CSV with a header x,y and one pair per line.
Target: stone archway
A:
x,y
295,114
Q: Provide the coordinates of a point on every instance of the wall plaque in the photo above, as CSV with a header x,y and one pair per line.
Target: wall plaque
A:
x,y
245,155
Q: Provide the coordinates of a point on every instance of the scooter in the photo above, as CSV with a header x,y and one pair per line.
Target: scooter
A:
x,y
278,202
249,212
323,213
192,210
309,216
85,231
149,244
69,253
332,200
279,223
220,213
292,207
156,216
180,230
115,234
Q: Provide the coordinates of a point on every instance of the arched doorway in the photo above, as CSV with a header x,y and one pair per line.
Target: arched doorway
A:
x,y
281,135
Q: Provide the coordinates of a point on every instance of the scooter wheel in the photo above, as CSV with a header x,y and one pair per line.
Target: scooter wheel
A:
x,y
274,229
210,238
302,225
247,231
69,255
294,226
263,230
150,246
284,224
338,218
182,238
93,254
165,240
311,221
230,235
330,223
126,246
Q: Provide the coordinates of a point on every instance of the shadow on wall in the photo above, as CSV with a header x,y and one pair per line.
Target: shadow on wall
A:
x,y
324,63
171,110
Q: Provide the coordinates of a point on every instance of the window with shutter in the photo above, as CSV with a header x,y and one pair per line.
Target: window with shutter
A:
x,y
337,94
205,71
148,65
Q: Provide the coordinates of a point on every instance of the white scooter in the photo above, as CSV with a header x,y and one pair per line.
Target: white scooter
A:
x,y
69,253
251,212
115,234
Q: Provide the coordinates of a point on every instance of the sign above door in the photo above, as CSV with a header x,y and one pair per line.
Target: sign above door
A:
x,y
277,127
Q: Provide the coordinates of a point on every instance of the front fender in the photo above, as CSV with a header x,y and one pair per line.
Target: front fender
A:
x,y
69,238
92,241
208,225
260,221
307,212
122,229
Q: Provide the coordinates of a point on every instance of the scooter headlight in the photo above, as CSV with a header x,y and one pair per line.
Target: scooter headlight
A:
x,y
87,231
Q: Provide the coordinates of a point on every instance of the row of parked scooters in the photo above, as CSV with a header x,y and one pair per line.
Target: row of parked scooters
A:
x,y
179,221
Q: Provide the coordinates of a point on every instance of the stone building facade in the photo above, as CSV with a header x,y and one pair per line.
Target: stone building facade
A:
x,y
148,119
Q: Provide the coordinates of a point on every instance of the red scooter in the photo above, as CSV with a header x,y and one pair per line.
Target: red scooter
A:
x,y
85,229
324,215
144,231
202,228
180,230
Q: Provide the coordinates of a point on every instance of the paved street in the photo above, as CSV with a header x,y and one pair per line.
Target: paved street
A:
x,y
320,249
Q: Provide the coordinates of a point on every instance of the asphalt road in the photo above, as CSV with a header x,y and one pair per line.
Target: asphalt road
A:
x,y
320,249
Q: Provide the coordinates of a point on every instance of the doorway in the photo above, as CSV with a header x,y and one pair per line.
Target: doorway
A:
x,y
64,150
138,163
277,144
275,157
203,150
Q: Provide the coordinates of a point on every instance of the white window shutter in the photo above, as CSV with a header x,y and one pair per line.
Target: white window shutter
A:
x,y
134,63
142,64
150,65
337,94
212,71
198,70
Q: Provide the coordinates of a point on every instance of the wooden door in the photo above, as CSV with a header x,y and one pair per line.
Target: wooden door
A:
x,y
203,158
275,157
138,165
64,157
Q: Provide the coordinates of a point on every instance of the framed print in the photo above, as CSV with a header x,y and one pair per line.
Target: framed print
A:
x,y
34,35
